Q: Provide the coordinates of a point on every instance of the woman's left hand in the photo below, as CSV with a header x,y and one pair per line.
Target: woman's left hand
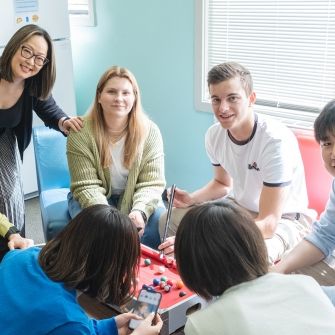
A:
x,y
137,219
75,123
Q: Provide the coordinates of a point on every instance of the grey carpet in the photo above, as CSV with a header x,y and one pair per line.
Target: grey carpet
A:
x,y
34,228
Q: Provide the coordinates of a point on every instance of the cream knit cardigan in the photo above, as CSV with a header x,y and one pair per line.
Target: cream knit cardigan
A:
x,y
91,184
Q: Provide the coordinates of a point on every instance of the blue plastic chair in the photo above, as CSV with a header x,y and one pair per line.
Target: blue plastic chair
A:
x,y
53,179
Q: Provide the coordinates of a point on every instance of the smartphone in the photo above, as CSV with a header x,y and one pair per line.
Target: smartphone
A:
x,y
169,211
147,302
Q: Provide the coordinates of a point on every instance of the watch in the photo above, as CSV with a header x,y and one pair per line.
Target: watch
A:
x,y
144,216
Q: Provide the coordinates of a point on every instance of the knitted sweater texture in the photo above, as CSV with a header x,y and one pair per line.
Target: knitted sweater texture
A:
x,y
91,183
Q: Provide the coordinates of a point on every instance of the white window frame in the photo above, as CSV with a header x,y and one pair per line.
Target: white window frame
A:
x,y
292,118
84,17
202,102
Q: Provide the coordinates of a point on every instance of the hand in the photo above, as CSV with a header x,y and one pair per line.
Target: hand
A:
x,y
145,327
16,241
75,123
122,322
137,219
182,199
168,246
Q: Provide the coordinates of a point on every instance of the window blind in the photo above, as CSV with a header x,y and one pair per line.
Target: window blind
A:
x,y
81,12
288,46
78,7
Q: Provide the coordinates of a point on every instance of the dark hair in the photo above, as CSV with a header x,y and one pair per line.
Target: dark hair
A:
x,y
324,124
41,84
217,246
97,252
229,70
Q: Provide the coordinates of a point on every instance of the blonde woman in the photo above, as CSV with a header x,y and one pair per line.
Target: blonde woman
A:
x,y
118,156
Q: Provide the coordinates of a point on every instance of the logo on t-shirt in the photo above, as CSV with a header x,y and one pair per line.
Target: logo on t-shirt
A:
x,y
253,166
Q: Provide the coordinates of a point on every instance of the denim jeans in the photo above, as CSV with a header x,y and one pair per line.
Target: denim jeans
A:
x,y
150,237
330,292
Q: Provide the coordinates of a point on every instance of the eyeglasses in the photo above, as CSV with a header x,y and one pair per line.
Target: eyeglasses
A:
x,y
27,53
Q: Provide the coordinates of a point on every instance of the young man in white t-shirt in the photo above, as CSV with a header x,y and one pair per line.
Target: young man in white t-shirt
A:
x,y
256,162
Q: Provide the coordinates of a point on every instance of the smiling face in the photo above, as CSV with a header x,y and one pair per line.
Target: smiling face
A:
x,y
328,153
231,105
117,98
24,68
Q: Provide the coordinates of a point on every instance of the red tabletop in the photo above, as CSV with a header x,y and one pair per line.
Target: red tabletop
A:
x,y
147,273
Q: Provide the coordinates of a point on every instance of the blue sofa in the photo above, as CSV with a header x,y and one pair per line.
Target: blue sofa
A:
x,y
53,179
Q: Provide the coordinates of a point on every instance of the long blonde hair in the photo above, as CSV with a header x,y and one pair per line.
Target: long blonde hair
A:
x,y
138,122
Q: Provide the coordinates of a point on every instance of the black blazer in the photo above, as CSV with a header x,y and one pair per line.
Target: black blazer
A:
x,y
47,110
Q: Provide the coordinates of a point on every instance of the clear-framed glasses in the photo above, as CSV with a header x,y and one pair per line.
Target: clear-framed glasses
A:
x,y
38,59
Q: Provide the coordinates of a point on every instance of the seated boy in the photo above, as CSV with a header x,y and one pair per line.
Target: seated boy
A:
x,y
321,242
256,162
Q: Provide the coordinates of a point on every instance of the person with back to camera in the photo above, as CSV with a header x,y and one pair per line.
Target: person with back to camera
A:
x,y
38,286
27,75
256,162
229,268
320,243
117,158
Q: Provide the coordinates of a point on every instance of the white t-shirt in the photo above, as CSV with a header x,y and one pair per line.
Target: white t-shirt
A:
x,y
119,174
271,157
273,304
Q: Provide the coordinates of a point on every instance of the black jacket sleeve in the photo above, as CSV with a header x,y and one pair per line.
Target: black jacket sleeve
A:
x,y
48,111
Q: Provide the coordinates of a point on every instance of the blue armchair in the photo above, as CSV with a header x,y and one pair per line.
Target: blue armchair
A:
x,y
53,179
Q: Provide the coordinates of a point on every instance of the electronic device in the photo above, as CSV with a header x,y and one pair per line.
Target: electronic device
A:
x,y
168,216
147,302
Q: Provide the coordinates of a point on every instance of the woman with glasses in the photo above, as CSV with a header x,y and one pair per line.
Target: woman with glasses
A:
x,y
27,75
118,158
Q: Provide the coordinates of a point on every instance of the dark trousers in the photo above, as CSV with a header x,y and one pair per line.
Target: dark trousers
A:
x,y
3,247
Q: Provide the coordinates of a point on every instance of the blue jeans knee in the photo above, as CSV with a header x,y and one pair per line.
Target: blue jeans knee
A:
x,y
74,205
151,236
75,208
330,292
